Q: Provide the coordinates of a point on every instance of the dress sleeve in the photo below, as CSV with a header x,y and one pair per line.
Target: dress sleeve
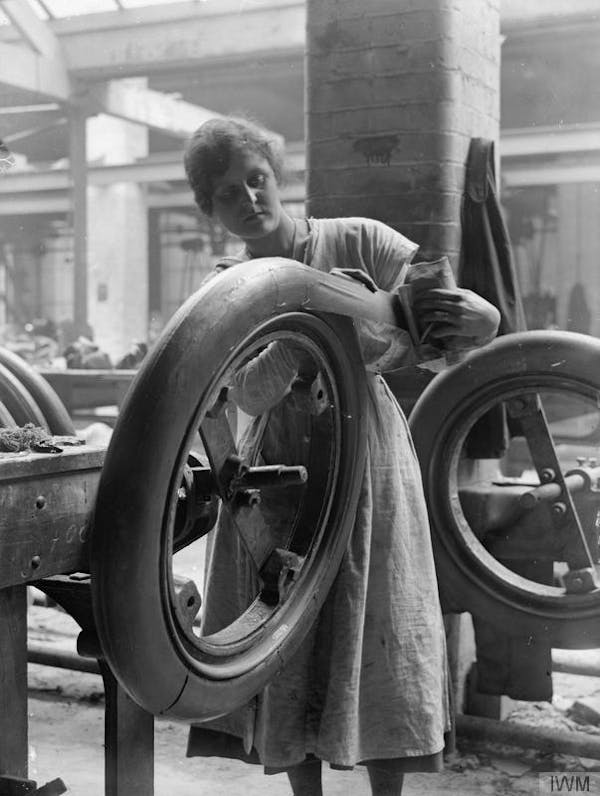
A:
x,y
262,382
386,254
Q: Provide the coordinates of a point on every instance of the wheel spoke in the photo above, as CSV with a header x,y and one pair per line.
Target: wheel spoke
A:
x,y
252,530
529,411
219,444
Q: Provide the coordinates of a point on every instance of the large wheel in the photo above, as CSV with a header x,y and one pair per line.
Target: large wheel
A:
x,y
6,419
489,538
19,401
47,401
175,452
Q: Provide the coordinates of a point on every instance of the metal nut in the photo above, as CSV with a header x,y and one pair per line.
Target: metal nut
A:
x,y
580,580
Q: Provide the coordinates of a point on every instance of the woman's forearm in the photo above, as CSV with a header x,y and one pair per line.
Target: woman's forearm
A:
x,y
263,381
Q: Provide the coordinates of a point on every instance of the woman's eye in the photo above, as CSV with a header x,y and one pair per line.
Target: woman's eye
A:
x,y
257,181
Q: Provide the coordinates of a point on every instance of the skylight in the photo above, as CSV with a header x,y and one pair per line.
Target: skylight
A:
x,y
56,9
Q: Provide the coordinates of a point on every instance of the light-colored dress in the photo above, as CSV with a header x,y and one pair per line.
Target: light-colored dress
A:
x,y
370,680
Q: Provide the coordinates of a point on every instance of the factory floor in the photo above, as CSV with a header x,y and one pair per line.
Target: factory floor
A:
x,y
66,731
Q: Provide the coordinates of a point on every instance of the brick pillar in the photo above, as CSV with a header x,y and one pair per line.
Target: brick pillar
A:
x,y
395,91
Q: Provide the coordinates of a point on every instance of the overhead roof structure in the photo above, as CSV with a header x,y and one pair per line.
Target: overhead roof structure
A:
x,y
57,9
205,57
50,62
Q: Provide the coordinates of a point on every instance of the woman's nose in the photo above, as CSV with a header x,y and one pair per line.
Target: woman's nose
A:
x,y
251,193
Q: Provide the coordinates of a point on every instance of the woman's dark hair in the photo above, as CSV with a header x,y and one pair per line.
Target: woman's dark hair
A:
x,y
208,154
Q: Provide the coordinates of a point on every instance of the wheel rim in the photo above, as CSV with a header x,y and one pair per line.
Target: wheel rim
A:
x,y
242,645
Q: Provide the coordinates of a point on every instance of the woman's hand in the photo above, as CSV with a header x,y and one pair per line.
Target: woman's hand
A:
x,y
457,318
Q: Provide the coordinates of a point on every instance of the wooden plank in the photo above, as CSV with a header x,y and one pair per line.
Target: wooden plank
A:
x,y
21,466
13,682
47,500
128,742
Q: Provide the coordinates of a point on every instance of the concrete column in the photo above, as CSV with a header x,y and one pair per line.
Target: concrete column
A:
x,y
578,216
395,91
117,240
78,176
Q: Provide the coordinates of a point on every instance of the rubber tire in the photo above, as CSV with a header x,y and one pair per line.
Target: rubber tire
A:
x,y
54,411
6,419
19,402
129,546
524,360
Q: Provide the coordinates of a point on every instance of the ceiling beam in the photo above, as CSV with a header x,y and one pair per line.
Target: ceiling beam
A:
x,y
33,30
145,106
549,174
186,35
40,128
59,202
167,167
34,61
41,75
551,140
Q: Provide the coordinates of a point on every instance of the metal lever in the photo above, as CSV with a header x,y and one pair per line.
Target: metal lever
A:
x,y
528,410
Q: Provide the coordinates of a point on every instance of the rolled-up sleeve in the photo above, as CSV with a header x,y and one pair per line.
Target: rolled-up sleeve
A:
x,y
263,381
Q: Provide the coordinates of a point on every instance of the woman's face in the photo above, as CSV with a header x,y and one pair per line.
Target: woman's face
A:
x,y
246,198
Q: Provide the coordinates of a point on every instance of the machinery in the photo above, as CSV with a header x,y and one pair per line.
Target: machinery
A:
x,y
119,537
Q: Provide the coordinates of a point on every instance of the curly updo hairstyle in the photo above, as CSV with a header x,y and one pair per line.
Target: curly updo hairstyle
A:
x,y
209,151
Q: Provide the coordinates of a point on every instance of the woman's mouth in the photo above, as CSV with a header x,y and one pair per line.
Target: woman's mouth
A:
x,y
254,214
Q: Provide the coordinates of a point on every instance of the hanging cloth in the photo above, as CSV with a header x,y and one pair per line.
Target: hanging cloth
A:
x,y
506,664
486,263
486,266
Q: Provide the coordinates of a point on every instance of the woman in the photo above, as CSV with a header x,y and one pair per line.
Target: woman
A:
x,y
369,684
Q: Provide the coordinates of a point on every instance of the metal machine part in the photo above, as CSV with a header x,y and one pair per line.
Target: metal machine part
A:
x,y
537,502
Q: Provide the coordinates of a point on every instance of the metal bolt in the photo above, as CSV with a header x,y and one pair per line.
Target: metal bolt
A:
x,y
547,475
35,562
559,509
576,584
580,580
40,502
